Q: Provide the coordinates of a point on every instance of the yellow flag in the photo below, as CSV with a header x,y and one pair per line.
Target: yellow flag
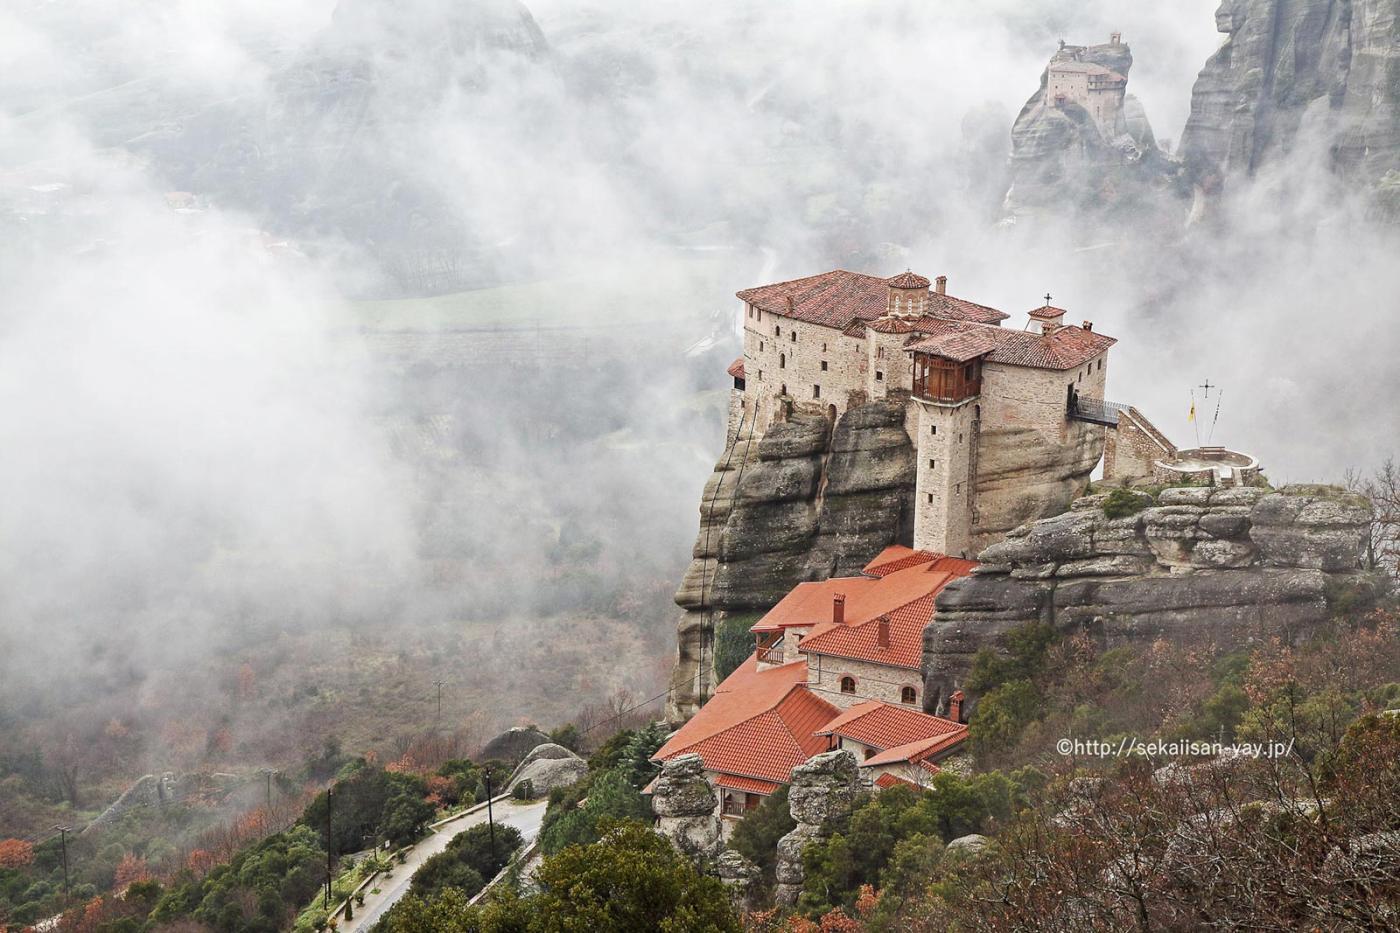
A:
x,y
1192,416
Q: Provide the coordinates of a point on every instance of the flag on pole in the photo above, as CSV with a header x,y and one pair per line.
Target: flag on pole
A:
x,y
1192,416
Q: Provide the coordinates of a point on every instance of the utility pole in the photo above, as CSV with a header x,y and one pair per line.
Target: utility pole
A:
x,y
490,819
438,684
330,846
63,832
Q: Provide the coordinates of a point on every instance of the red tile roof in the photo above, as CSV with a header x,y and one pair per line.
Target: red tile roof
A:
x,y
748,785
1066,348
901,734
960,346
759,724
736,368
905,597
907,279
840,299
900,557
886,780
809,604
1048,313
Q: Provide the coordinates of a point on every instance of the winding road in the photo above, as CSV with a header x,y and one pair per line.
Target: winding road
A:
x,y
525,817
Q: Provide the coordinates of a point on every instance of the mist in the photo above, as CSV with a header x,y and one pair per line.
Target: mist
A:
x,y
383,318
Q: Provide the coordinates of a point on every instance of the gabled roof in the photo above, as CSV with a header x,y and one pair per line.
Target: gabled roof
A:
x,y
748,785
736,368
959,346
901,734
1066,348
759,724
886,780
840,299
903,596
808,604
900,556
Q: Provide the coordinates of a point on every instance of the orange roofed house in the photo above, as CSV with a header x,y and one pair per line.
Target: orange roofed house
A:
x,y
836,665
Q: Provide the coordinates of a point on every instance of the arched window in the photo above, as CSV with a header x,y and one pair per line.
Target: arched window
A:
x,y
782,361
908,695
848,684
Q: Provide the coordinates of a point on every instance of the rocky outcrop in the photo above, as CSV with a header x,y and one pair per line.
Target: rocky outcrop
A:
x,y
546,767
1318,73
1220,565
1022,477
162,790
513,744
686,807
1064,157
820,799
740,877
803,502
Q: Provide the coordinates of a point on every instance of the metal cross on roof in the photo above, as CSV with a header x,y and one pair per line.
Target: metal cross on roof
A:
x,y
1207,385
1047,299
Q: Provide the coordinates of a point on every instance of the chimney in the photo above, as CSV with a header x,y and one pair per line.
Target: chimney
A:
x,y
955,705
1049,327
882,632
1089,326
941,284
838,609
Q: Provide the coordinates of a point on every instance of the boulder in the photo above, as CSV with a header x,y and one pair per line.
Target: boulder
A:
x,y
970,844
820,798
547,767
513,744
687,807
740,877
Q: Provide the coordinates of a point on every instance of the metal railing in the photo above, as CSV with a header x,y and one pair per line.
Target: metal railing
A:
x,y
1094,410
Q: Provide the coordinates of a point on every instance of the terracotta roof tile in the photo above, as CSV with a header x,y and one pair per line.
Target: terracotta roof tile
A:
x,y
841,299
960,346
809,604
759,724
907,734
736,368
907,279
905,597
1066,348
886,780
1048,313
748,785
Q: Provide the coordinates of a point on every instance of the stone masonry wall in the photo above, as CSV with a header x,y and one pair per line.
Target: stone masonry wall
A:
x,y
873,681
1204,564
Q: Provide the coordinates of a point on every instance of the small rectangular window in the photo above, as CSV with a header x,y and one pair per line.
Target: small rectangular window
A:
x,y
823,347
760,375
933,429
879,353
823,365
760,346
959,488
879,376
816,391
777,331
932,464
794,336
930,498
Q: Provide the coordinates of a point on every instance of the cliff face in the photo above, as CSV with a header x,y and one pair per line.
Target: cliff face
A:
x,y
1217,564
806,501
1296,67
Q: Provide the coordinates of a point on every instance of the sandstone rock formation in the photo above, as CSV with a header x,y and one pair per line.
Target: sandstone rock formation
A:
x,y
513,744
1320,73
165,789
686,807
803,502
546,767
1198,563
1063,158
970,844
820,799
740,877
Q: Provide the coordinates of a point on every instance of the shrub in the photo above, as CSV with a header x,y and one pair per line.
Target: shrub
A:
x,y
756,837
524,790
1120,503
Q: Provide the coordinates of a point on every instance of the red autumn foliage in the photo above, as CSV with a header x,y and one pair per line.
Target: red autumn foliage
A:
x,y
15,853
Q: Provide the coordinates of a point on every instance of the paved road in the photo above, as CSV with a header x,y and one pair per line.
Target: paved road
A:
x,y
524,817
